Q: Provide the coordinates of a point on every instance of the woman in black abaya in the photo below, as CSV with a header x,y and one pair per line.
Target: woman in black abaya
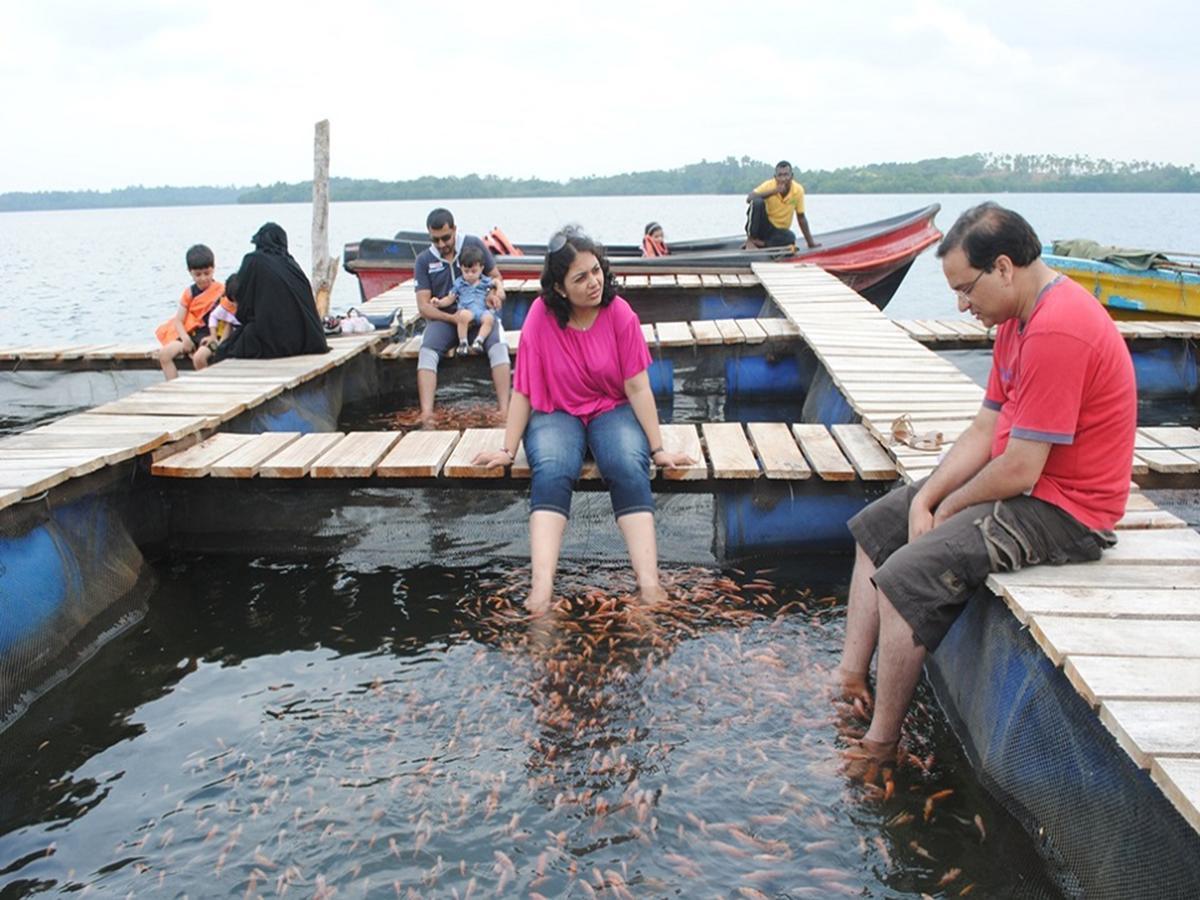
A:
x,y
275,304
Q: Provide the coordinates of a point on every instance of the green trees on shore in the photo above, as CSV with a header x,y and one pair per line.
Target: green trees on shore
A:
x,y
977,173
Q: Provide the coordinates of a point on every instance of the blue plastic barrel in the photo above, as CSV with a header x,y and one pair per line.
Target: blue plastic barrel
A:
x,y
747,375
34,578
1169,370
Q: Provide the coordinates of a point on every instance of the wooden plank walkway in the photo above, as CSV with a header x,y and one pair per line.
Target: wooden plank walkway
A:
x,y
960,331
702,332
175,411
1125,629
723,451
882,372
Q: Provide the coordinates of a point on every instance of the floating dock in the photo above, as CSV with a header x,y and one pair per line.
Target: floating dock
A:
x,y
1123,632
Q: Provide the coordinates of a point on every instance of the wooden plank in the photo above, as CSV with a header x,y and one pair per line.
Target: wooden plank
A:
x,y
1062,636
246,460
869,459
294,460
686,280
174,427
675,334
197,461
419,454
1148,729
648,335
779,328
117,446
729,280
474,441
1099,575
729,451
637,281
1099,678
823,453
168,406
778,451
1155,548
711,281
661,281
9,496
355,456
706,332
729,331
1180,781
751,331
71,466
684,439
1103,603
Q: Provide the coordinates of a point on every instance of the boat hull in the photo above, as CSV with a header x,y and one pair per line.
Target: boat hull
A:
x,y
872,259
1131,294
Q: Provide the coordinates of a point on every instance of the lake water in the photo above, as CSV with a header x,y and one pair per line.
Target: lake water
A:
x,y
114,274
340,713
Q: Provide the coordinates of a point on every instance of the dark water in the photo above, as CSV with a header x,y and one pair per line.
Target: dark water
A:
x,y
305,727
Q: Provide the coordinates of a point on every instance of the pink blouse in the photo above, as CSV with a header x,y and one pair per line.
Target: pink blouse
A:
x,y
579,372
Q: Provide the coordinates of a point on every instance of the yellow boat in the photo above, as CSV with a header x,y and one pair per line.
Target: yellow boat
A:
x,y
1171,292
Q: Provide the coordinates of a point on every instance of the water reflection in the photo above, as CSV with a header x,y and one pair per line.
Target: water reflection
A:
x,y
314,729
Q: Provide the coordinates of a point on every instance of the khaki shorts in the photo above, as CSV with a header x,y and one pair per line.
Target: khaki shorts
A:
x,y
930,580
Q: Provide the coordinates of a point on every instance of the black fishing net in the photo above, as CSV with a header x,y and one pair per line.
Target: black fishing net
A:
x,y
1106,830
70,577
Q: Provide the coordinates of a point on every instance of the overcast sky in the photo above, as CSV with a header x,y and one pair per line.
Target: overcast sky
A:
x,y
103,95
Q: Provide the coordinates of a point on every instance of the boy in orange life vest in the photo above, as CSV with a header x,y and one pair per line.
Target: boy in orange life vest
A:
x,y
189,327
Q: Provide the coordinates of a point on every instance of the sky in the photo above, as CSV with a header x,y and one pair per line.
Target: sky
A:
x,y
153,92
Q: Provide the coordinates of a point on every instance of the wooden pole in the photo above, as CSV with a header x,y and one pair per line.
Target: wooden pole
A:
x,y
324,269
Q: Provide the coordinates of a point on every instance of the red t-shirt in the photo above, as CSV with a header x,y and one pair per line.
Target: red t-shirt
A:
x,y
1066,379
579,372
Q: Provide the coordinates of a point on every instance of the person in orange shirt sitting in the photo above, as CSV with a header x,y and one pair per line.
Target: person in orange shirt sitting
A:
x,y
187,330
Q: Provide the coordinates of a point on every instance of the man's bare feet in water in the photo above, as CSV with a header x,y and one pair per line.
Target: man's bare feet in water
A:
x,y
873,762
851,686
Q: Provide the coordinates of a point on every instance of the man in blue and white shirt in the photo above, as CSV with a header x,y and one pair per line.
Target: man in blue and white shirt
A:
x,y
436,269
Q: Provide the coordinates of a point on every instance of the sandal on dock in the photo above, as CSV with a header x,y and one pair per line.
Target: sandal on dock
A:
x,y
904,433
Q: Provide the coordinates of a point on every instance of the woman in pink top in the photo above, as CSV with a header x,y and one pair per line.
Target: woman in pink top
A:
x,y
581,383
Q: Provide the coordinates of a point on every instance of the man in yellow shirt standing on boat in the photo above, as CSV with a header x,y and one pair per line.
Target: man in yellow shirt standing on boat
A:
x,y
772,204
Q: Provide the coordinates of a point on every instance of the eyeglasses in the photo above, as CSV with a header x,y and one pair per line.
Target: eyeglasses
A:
x,y
559,239
965,293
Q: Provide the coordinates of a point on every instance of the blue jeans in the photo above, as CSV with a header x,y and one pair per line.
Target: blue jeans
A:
x,y
555,444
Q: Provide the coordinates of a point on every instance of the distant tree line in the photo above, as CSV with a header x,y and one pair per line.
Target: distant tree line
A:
x,y
123,197
977,173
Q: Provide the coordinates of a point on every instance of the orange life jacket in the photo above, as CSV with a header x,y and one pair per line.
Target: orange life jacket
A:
x,y
198,308
653,247
497,241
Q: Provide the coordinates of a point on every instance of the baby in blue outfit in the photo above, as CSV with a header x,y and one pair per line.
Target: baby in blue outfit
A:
x,y
469,292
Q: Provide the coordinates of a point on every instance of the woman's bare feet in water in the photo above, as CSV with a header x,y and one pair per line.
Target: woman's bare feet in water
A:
x,y
537,604
652,594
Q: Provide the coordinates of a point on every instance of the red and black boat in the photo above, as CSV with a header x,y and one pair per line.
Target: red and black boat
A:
x,y
872,258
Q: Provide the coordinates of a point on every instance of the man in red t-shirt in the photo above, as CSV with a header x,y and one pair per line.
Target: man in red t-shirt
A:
x,y
1041,475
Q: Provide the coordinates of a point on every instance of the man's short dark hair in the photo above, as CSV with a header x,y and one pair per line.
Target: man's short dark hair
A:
x,y
783,164
439,218
200,257
471,255
989,230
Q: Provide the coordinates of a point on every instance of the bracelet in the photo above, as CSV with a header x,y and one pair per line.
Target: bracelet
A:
x,y
656,450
